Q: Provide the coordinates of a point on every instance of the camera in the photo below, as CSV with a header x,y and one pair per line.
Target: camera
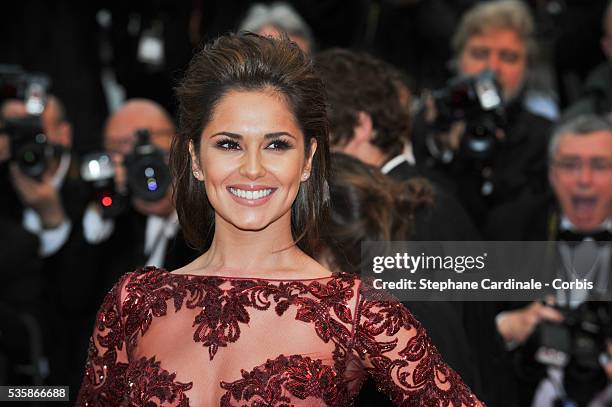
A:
x,y
98,171
148,175
28,143
147,172
478,101
576,345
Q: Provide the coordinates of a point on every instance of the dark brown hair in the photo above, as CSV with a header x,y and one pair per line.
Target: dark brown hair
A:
x,y
249,62
358,82
366,205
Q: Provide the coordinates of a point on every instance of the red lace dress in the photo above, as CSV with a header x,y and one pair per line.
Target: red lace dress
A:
x,y
185,340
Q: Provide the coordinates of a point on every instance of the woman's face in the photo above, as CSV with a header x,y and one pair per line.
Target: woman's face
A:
x,y
252,159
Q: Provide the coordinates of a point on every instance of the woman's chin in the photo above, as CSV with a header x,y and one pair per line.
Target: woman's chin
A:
x,y
249,225
253,222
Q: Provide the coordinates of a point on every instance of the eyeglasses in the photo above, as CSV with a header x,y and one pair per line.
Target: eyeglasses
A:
x,y
595,165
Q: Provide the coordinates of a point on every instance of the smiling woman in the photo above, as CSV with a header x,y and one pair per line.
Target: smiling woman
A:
x,y
255,320
251,153
275,90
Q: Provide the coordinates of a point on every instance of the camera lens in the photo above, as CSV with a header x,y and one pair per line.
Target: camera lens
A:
x,y
149,177
32,159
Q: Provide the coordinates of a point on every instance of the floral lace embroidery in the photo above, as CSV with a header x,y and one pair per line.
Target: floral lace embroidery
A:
x,y
431,382
301,376
218,324
150,385
103,383
410,375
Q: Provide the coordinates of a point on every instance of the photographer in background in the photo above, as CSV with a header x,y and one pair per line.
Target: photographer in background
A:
x,y
491,147
579,217
44,213
43,196
369,123
144,231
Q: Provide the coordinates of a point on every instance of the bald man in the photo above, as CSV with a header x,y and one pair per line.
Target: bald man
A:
x,y
119,140
147,233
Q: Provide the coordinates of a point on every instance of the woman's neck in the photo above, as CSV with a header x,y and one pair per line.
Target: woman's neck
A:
x,y
269,251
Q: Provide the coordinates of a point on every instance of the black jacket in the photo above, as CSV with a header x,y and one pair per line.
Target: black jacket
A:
x,y
123,251
519,164
446,220
596,97
64,308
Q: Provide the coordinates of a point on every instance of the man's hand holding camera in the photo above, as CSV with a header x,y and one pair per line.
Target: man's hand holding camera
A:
x,y
516,326
40,195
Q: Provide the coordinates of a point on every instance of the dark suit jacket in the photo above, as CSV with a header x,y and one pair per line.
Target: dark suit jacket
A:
x,y
531,218
64,307
519,164
124,251
446,220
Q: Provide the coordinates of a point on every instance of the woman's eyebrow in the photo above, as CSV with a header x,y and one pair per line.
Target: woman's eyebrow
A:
x,y
233,136
278,134
267,136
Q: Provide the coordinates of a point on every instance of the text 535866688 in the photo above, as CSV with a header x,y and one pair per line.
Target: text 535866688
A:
x,y
34,393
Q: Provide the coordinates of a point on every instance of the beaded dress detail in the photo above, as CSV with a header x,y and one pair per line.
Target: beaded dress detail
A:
x,y
186,340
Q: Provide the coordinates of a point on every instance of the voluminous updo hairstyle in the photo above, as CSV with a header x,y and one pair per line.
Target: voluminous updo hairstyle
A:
x,y
249,62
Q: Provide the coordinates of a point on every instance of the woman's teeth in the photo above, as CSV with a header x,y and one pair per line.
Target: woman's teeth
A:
x,y
261,193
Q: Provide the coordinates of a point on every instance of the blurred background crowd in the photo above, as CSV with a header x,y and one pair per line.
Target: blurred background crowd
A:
x,y
450,120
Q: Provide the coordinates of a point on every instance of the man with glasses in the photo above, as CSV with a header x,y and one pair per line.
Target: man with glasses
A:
x,y
579,216
581,175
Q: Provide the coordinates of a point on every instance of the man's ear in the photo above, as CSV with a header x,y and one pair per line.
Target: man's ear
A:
x,y
65,134
195,166
308,163
362,132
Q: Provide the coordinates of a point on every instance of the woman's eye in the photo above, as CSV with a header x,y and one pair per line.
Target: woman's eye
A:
x,y
279,145
228,144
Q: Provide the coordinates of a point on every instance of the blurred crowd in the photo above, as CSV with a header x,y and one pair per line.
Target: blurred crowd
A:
x,y
451,120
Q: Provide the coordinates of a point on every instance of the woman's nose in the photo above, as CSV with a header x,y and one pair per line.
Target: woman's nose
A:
x,y
252,166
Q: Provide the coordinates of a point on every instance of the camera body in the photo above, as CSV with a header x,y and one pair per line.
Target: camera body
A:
x,y
148,175
147,172
576,345
28,143
98,171
478,101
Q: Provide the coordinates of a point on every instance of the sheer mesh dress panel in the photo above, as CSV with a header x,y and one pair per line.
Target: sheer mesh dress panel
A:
x,y
186,340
